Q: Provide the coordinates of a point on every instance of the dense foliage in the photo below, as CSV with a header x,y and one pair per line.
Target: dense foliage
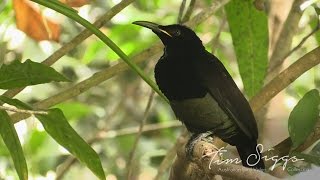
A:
x,y
85,103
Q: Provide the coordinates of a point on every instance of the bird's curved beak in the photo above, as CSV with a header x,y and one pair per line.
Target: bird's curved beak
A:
x,y
156,28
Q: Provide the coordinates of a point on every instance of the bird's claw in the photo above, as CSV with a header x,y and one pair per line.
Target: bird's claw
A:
x,y
193,141
206,152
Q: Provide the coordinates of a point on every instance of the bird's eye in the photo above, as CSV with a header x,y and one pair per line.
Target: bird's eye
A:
x,y
176,32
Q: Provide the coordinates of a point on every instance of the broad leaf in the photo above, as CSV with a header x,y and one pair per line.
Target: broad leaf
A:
x,y
19,74
307,157
74,110
58,127
10,138
303,117
15,102
249,31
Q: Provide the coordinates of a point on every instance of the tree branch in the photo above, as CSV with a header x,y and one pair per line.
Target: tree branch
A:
x,y
181,9
285,78
103,135
138,136
188,13
200,167
257,102
203,167
171,154
108,73
77,40
24,111
214,41
303,40
282,47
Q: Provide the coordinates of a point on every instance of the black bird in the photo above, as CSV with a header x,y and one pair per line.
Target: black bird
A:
x,y
202,93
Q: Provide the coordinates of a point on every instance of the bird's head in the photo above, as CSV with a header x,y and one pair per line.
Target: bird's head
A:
x,y
173,36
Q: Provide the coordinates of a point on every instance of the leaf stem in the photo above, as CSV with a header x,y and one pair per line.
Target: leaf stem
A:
x,y
22,110
71,13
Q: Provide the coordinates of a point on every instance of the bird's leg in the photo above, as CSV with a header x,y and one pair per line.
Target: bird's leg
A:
x,y
193,141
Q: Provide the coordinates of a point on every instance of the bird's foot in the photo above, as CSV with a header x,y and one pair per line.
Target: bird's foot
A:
x,y
210,151
193,141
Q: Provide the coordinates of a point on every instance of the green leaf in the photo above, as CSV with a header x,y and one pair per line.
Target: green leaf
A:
x,y
313,23
4,152
10,138
59,7
15,102
19,74
294,168
59,129
57,126
303,117
307,157
36,141
96,50
249,31
74,110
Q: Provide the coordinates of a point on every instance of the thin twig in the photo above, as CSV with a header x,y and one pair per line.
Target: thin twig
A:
x,y
171,153
280,82
215,40
188,13
282,47
304,39
114,112
138,136
206,13
181,9
285,78
103,135
13,109
76,40
64,167
108,73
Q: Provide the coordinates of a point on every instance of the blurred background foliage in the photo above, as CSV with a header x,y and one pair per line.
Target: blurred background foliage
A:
x,y
105,111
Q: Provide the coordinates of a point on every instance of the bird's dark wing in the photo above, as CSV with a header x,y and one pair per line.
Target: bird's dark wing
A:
x,y
223,89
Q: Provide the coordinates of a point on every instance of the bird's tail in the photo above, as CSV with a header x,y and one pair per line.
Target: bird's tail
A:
x,y
250,156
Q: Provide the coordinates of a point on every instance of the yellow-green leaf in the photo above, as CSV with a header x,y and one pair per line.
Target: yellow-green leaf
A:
x,y
249,31
59,129
303,117
10,138
19,74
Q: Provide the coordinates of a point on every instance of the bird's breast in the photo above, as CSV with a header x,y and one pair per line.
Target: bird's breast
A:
x,y
204,114
178,80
